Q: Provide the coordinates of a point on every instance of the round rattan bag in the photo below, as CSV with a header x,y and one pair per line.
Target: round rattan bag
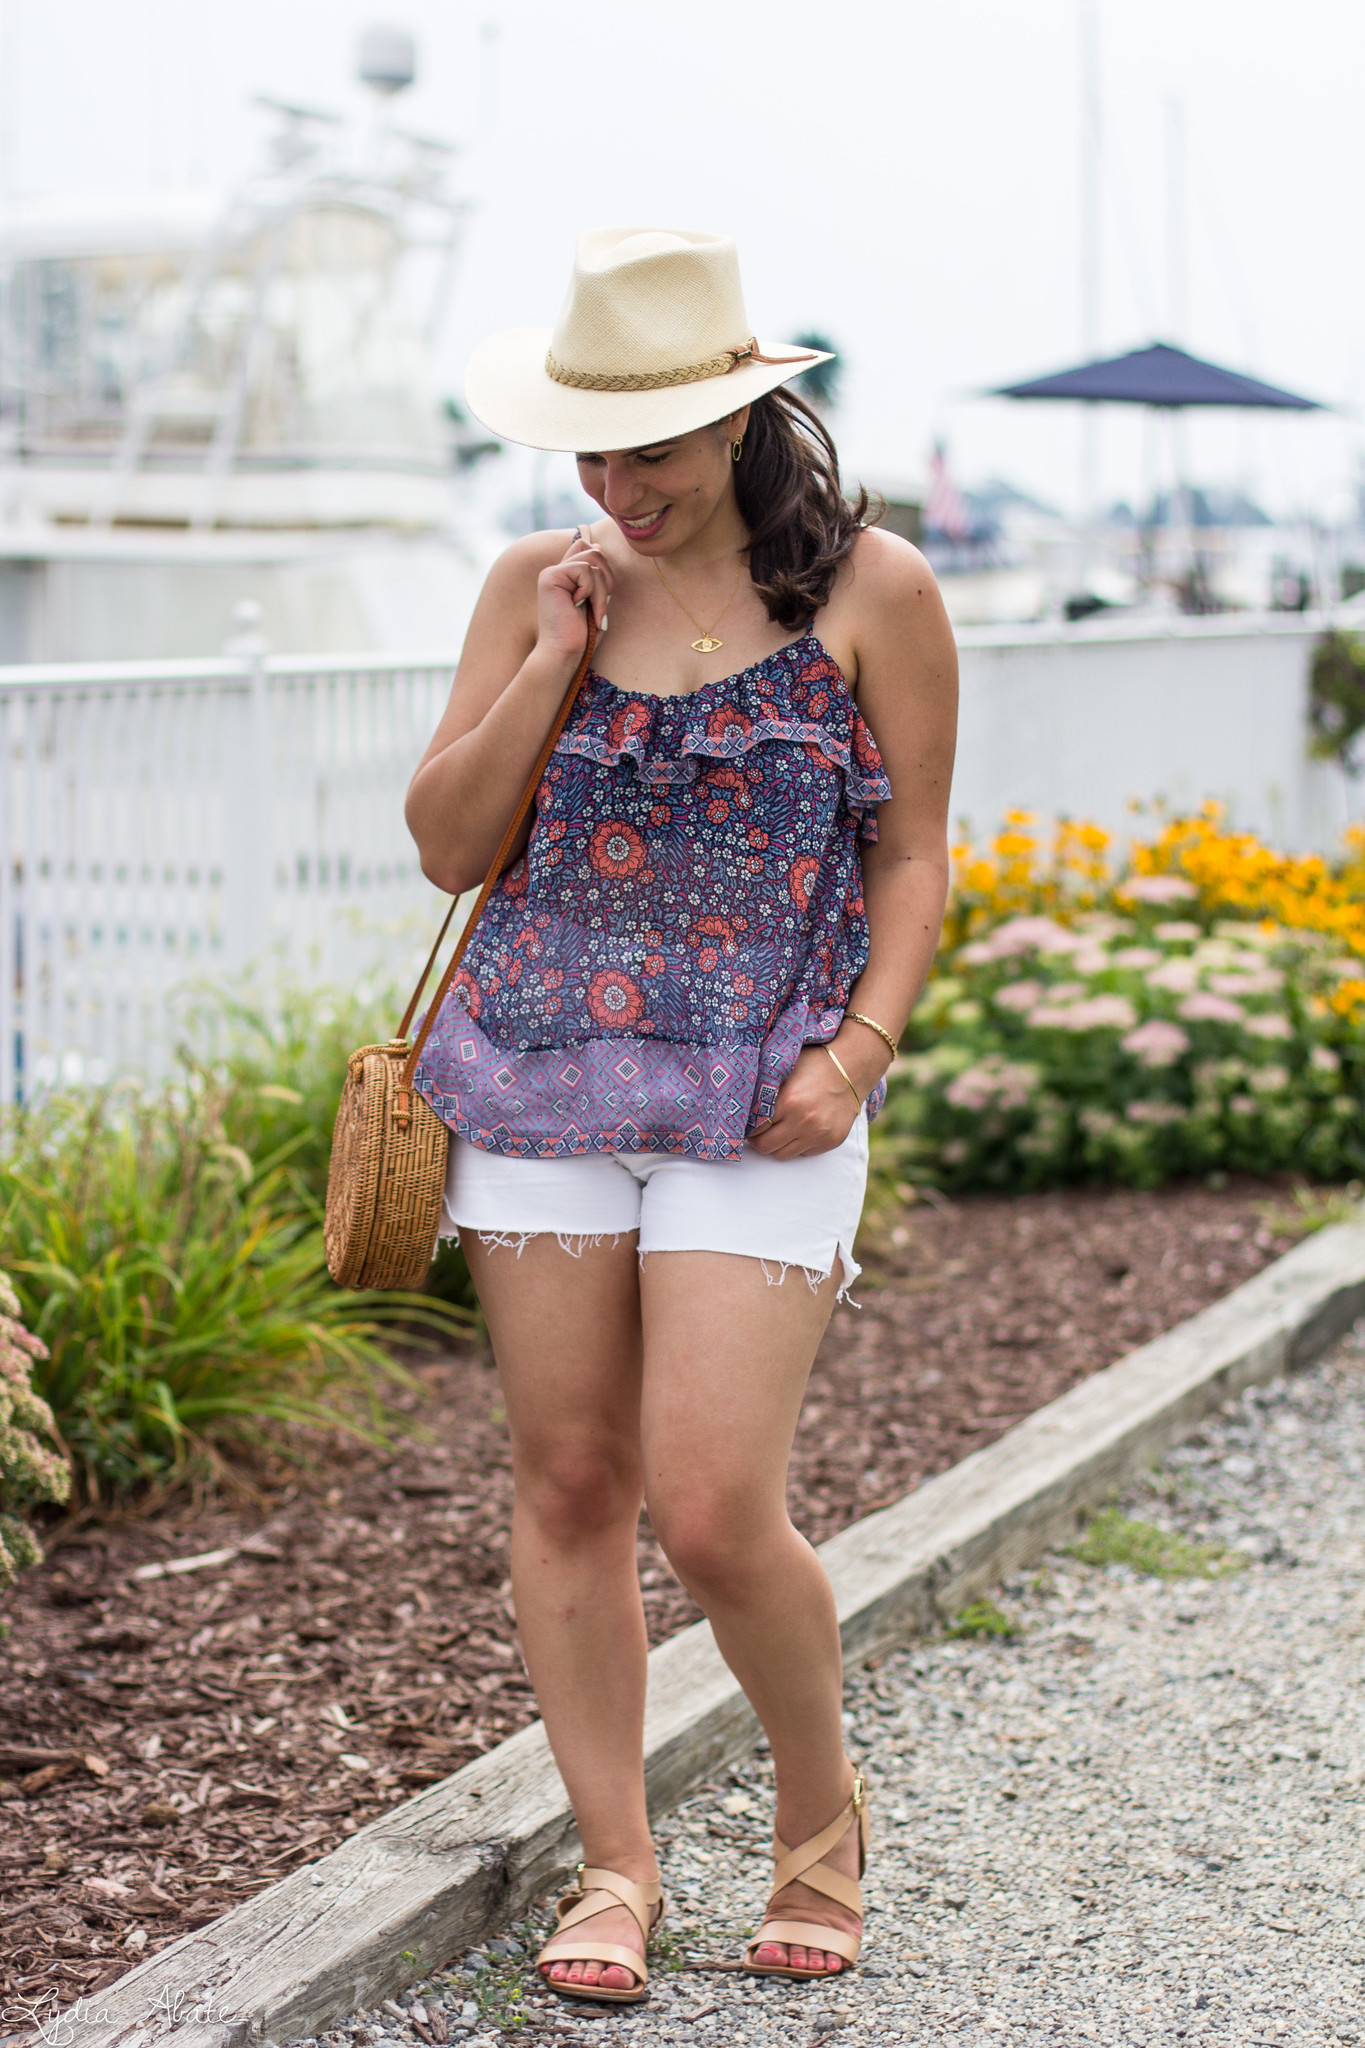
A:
x,y
387,1175
389,1148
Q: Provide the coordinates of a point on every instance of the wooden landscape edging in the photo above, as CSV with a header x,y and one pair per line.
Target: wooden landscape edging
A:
x,y
422,1884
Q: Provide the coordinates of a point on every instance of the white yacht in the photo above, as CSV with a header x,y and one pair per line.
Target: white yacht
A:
x,y
209,401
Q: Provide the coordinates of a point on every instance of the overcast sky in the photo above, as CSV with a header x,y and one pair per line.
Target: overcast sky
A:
x,y
903,176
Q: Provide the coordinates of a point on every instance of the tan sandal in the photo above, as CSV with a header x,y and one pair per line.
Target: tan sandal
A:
x,y
804,1865
595,1891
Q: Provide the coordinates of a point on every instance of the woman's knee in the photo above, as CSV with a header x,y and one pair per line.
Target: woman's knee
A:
x,y
718,1540
578,1488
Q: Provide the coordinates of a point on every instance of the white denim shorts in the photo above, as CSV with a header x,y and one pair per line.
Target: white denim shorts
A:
x,y
782,1212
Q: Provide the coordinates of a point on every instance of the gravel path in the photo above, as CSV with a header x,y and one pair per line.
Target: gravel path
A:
x,y
1136,1821
375,1588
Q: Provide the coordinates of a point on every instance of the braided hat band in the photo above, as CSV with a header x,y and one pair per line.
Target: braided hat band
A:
x,y
663,380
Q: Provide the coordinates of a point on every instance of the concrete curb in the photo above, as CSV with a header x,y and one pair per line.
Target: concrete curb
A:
x,y
443,1871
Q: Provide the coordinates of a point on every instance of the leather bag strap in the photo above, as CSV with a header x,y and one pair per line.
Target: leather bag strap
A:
x,y
402,1109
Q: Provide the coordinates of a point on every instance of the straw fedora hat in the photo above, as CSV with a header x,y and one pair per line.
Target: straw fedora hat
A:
x,y
652,341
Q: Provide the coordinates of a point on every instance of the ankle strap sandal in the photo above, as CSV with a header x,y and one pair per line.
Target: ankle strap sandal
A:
x,y
595,1891
804,1865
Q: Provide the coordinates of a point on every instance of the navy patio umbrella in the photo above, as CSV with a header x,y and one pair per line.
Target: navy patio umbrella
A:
x,y
1164,379
1159,376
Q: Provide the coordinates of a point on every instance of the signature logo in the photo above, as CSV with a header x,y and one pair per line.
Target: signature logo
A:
x,y
58,2027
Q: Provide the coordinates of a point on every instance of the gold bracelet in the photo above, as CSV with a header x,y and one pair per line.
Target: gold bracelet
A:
x,y
872,1025
844,1071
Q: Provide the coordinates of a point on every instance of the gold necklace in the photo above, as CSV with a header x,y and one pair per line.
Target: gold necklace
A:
x,y
708,642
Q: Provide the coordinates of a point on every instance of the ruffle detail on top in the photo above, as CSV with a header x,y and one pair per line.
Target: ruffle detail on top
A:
x,y
668,739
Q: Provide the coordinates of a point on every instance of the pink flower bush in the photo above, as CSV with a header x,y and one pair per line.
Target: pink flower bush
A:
x,y
1257,981
993,1083
1119,1084
1157,1043
30,1468
1098,1013
1021,935
1179,976
1157,889
1203,1007
1273,1025
1108,1013
1018,995
1144,1112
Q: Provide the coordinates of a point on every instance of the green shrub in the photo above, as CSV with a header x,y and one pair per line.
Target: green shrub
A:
x,y
177,1277
1200,1010
1133,1044
1336,696
279,1054
30,1470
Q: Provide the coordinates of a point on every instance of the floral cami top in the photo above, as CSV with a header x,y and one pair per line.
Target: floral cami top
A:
x,y
687,915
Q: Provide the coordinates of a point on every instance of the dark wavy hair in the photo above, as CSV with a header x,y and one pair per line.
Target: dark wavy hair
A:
x,y
801,526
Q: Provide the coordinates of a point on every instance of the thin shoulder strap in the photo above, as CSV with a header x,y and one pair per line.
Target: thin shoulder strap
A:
x,y
402,1109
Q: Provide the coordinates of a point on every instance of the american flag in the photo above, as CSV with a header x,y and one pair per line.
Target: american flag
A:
x,y
945,508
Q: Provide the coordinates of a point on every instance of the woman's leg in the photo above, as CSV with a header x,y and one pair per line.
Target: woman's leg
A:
x,y
727,1356
566,1336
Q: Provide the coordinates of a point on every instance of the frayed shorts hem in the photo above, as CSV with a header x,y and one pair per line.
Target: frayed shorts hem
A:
x,y
575,1244
784,1213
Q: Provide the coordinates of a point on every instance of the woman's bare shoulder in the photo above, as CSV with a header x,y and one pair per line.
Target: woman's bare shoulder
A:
x,y
502,629
518,566
885,605
885,570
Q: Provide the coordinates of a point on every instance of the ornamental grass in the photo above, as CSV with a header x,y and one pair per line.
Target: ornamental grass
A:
x,y
279,1052
166,1248
1200,1010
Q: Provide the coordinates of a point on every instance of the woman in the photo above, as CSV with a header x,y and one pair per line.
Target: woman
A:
x,y
656,1057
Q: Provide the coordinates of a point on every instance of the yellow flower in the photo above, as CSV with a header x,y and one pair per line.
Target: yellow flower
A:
x,y
1233,872
1348,998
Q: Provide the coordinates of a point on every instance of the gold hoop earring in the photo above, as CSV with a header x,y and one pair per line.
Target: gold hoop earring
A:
x,y
737,449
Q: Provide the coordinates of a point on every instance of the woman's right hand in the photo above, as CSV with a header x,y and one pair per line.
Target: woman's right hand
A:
x,y
582,577
509,684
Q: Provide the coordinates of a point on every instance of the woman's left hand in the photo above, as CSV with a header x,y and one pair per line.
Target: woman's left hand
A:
x,y
814,1111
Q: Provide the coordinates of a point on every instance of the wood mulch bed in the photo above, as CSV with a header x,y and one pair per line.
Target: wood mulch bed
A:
x,y
171,1743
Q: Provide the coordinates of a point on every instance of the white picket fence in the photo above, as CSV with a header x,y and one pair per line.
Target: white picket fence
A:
x,y
162,823
166,822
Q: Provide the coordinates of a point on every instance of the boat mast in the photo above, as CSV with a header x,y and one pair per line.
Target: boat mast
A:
x,y
1092,252
1183,536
